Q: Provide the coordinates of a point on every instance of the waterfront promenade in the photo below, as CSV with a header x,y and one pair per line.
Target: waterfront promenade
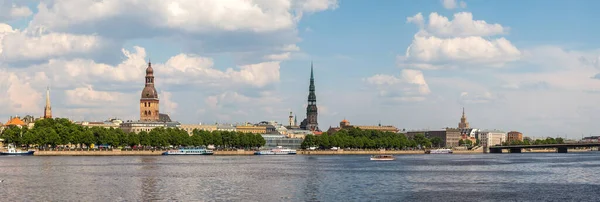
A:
x,y
117,152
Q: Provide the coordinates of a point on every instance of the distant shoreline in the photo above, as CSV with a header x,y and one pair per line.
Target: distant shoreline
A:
x,y
117,152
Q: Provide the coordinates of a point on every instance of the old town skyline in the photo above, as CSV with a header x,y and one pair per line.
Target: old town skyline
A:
x,y
416,68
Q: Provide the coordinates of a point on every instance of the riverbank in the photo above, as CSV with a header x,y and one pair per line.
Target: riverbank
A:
x,y
117,152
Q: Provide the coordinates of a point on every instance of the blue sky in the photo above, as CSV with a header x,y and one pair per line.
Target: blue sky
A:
x,y
413,64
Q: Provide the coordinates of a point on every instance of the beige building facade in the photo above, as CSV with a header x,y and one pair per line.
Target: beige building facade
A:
x,y
252,129
189,128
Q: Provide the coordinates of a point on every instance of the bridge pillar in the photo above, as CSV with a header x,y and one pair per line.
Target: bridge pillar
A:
x,y
515,150
495,150
561,150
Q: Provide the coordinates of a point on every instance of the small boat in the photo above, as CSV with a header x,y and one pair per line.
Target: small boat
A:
x,y
439,151
277,151
16,152
189,151
382,158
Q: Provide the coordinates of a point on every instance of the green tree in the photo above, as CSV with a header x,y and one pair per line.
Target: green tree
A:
x,y
436,141
468,143
461,142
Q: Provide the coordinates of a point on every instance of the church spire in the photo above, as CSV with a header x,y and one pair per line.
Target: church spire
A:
x,y
48,108
463,121
311,123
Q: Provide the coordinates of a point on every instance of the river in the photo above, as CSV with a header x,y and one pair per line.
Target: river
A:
x,y
482,177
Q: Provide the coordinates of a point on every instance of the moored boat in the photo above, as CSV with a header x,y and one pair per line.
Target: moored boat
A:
x,y
189,151
277,151
382,158
16,152
439,151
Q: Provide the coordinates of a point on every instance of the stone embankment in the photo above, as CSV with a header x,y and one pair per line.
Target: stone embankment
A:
x,y
117,152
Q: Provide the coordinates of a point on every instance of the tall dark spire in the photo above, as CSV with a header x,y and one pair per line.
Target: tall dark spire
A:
x,y
311,123
312,97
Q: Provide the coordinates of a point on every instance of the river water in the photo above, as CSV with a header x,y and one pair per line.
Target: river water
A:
x,y
482,177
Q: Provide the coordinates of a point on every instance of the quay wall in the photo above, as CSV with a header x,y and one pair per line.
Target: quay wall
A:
x,y
117,152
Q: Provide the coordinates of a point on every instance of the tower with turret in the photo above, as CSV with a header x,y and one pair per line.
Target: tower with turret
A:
x,y
149,101
463,121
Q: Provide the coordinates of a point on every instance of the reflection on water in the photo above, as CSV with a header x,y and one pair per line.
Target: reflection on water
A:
x,y
502,177
311,190
149,189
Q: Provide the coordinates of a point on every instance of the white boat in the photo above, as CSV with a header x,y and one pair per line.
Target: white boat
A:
x,y
439,151
382,158
277,151
16,152
189,151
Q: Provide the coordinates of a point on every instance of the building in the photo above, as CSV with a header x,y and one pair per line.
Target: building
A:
x,y
491,138
514,136
106,125
150,117
470,132
591,139
270,126
310,122
463,121
149,101
48,108
449,136
345,124
15,121
225,127
189,128
252,129
139,126
274,140
299,133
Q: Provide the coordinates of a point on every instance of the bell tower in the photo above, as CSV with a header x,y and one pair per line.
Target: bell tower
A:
x,y
149,101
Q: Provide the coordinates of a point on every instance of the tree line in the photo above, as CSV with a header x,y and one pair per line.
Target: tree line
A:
x,y
369,139
60,131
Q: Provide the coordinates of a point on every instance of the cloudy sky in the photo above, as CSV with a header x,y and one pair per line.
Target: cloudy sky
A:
x,y
532,66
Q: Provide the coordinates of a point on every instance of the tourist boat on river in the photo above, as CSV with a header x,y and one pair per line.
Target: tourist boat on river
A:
x,y
439,151
277,151
189,151
382,158
16,152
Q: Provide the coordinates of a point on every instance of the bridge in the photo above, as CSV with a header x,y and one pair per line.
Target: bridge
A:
x,y
560,148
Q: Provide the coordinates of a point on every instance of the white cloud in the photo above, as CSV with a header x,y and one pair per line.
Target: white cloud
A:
x,y
474,98
16,45
9,10
417,20
452,4
181,69
457,43
83,97
409,86
279,57
188,16
462,25
166,100
19,95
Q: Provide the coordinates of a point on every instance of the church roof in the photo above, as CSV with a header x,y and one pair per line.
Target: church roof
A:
x,y
15,122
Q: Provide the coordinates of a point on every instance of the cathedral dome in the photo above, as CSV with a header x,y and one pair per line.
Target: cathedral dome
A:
x,y
149,70
149,92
